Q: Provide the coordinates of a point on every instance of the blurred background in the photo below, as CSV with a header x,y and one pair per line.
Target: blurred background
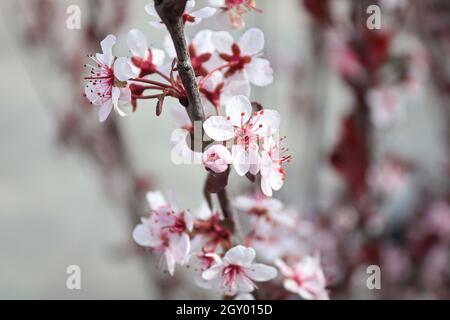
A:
x,y
366,115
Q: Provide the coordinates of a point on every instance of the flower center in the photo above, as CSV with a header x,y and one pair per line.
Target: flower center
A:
x,y
236,60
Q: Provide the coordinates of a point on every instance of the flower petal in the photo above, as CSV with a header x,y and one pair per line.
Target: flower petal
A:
x,y
265,186
261,272
156,200
240,255
241,162
105,110
213,272
218,128
251,42
222,41
143,237
239,109
106,44
259,72
137,43
203,13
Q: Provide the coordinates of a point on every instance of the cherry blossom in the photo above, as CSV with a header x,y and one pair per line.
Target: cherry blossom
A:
x,y
231,11
145,59
236,272
217,158
190,17
165,231
245,127
107,84
200,262
243,56
306,278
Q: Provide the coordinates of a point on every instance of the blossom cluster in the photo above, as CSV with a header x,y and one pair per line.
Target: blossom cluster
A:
x,y
244,135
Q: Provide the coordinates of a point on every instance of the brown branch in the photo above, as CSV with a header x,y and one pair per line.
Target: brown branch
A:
x,y
171,14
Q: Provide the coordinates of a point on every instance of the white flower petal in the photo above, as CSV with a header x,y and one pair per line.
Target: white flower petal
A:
x,y
156,200
241,162
218,128
261,272
123,70
170,261
268,121
105,110
239,109
265,186
137,43
251,42
213,272
202,42
158,57
222,41
106,44
203,13
259,72
240,255
143,237
276,180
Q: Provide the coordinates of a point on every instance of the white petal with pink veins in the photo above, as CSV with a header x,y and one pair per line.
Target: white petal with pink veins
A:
x,y
222,41
240,255
156,200
239,109
251,42
218,128
137,43
259,72
261,272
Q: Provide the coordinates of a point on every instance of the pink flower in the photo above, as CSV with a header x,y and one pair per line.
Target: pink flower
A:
x,y
143,58
108,81
165,231
190,17
236,272
217,158
200,262
246,128
231,11
306,278
243,56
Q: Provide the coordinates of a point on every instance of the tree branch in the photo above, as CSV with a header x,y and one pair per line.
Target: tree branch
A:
x,y
171,14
